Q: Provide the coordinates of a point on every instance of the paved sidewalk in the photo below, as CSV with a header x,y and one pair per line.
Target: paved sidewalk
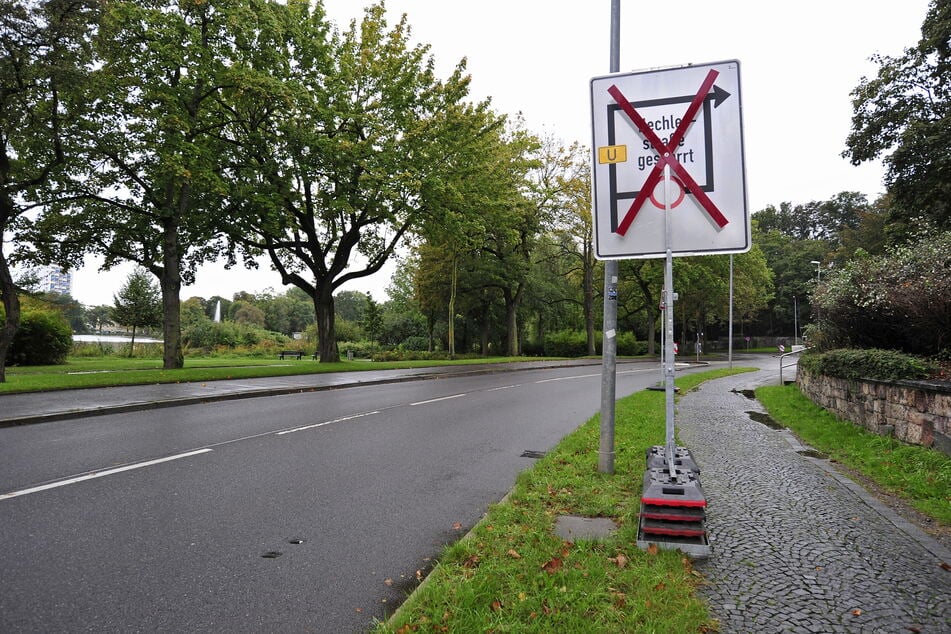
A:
x,y
797,547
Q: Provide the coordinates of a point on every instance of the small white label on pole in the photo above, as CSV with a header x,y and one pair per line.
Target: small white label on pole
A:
x,y
610,334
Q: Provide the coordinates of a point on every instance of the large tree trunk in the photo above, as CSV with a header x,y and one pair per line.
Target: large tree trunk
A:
x,y
453,279
651,330
11,309
512,303
132,342
170,281
588,284
326,326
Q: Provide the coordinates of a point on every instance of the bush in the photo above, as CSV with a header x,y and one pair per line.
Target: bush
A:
x,y
901,300
885,365
416,343
43,338
209,335
414,355
360,349
629,346
566,343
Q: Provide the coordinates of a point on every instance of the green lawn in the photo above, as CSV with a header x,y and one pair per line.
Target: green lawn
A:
x,y
80,372
920,475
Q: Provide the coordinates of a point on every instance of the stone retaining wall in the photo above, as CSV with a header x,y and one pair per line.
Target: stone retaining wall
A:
x,y
917,412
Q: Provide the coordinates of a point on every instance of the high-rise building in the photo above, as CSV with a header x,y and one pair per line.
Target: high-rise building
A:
x,y
53,279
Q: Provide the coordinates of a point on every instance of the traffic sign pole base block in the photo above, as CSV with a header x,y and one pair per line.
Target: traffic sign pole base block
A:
x,y
672,513
673,506
663,489
657,459
693,547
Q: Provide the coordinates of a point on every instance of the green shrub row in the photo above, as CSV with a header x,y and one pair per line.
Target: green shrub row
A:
x,y
574,343
848,363
413,355
208,335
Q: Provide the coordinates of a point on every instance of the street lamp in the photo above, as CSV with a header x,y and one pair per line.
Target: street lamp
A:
x,y
818,269
795,320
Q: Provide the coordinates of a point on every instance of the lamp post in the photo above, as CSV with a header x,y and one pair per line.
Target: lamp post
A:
x,y
818,269
795,318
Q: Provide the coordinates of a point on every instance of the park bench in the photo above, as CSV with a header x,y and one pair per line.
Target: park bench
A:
x,y
297,354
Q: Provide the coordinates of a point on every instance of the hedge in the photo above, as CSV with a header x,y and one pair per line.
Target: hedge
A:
x,y
873,363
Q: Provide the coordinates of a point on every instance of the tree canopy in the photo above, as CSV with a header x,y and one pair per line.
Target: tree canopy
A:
x,y
344,167
905,113
43,54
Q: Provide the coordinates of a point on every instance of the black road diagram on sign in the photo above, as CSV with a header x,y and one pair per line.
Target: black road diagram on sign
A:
x,y
670,138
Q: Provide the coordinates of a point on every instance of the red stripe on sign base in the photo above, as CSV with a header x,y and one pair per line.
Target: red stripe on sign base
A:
x,y
667,502
676,532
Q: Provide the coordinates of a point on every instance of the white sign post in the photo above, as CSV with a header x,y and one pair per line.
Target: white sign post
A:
x,y
687,119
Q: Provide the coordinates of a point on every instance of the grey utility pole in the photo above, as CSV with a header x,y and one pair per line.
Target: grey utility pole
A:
x,y
609,341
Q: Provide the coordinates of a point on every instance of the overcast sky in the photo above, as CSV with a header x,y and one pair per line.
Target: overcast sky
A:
x,y
798,63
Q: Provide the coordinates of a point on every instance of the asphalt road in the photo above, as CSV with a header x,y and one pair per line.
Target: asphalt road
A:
x,y
300,512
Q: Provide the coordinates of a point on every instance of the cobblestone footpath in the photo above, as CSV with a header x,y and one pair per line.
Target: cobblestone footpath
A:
x,y
796,546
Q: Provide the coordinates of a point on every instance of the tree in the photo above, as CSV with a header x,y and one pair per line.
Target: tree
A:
x,y
99,317
520,184
905,111
137,305
573,229
825,220
149,188
343,167
42,61
350,305
372,322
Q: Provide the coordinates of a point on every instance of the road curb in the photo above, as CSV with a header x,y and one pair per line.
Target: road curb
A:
x,y
265,392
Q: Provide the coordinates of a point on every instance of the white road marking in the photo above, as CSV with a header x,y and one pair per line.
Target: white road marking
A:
x,y
504,387
436,400
329,422
100,474
567,378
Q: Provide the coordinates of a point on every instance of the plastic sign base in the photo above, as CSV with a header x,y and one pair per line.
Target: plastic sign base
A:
x,y
673,506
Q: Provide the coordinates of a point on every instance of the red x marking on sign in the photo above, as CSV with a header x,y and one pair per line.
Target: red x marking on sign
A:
x,y
667,155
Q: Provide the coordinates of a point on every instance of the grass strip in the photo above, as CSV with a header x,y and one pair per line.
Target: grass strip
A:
x,y
920,475
511,573
111,371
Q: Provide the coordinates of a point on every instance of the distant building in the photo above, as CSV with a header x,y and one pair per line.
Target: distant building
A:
x,y
54,280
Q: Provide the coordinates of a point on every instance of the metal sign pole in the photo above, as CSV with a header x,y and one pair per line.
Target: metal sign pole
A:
x,y
730,335
609,340
669,327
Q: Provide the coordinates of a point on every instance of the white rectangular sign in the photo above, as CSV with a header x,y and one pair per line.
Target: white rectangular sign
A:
x,y
687,119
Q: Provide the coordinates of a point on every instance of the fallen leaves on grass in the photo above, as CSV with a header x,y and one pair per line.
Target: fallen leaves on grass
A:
x,y
472,561
552,566
620,561
513,553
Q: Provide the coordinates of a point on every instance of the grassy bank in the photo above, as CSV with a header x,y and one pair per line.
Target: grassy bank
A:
x,y
513,574
109,371
919,475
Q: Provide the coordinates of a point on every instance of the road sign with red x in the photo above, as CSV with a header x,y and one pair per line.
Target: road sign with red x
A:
x,y
669,139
